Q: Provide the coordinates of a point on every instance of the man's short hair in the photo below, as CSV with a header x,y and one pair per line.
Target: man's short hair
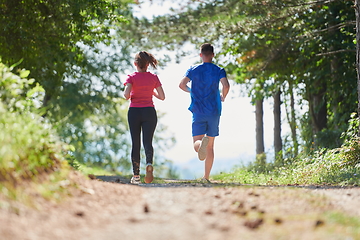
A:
x,y
207,49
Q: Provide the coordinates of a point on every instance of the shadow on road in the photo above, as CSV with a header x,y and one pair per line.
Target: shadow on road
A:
x,y
196,183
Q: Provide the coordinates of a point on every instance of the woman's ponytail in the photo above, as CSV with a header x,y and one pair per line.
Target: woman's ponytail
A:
x,y
143,58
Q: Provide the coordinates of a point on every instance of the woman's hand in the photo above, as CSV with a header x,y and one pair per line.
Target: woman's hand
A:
x,y
159,93
127,91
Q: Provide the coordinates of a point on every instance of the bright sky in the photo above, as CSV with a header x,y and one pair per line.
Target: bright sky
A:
x,y
237,124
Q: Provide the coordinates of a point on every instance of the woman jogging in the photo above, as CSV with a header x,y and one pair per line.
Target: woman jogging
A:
x,y
140,87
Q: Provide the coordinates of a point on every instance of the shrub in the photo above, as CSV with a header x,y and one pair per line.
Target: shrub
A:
x,y
28,146
17,93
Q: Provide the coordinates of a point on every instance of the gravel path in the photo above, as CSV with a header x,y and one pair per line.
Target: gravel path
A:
x,y
113,209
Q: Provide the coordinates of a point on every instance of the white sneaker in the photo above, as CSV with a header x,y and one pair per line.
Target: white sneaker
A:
x,y
135,180
202,150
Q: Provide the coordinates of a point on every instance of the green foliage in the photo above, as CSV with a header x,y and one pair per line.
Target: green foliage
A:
x,y
328,138
50,36
351,147
101,140
322,168
28,146
70,50
17,92
338,166
86,170
65,45
260,162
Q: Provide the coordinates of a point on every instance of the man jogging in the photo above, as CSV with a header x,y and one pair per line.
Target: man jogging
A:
x,y
205,104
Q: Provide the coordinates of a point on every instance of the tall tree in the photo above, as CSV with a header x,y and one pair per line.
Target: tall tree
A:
x,y
357,14
292,119
277,127
70,50
259,122
51,36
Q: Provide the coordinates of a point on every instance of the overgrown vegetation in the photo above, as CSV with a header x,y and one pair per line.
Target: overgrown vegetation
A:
x,y
339,166
30,151
69,49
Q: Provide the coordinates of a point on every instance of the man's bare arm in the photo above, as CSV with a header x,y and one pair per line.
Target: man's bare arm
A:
x,y
183,84
225,88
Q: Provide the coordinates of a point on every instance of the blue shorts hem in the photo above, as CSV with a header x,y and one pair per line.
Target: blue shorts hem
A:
x,y
208,125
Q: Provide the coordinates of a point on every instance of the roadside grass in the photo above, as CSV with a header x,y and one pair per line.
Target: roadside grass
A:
x,y
32,159
345,223
91,170
340,166
318,171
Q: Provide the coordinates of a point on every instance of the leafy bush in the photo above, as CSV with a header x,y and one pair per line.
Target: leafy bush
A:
x,y
28,146
351,147
339,166
18,93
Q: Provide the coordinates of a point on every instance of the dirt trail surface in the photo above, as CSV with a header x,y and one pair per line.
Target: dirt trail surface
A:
x,y
113,209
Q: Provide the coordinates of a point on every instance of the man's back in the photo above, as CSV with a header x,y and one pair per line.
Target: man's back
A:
x,y
205,93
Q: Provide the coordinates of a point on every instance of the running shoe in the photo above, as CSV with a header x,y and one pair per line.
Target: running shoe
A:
x,y
135,180
204,180
202,149
149,174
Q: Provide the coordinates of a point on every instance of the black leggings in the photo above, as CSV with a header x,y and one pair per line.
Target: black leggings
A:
x,y
141,119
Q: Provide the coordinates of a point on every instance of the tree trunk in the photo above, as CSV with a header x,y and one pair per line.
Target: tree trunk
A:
x,y
334,67
357,14
277,127
317,107
259,115
260,147
292,121
45,102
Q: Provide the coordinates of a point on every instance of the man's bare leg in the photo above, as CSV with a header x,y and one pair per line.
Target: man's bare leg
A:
x,y
209,157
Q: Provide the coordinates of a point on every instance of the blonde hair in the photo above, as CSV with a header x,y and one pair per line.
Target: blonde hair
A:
x,y
143,58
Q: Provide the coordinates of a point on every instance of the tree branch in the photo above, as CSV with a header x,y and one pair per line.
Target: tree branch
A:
x,y
304,4
337,26
335,52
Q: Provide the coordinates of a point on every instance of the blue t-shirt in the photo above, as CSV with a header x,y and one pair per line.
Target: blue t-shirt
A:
x,y
205,94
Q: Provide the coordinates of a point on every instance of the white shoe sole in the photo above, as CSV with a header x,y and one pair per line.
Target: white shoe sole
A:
x,y
202,149
135,181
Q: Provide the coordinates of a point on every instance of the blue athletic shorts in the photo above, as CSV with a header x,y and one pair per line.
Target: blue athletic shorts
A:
x,y
208,125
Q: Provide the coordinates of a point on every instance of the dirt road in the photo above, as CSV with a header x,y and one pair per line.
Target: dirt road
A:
x,y
188,210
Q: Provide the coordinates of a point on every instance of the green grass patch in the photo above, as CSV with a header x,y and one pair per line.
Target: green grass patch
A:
x,y
349,224
32,160
28,148
93,170
325,167
340,166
